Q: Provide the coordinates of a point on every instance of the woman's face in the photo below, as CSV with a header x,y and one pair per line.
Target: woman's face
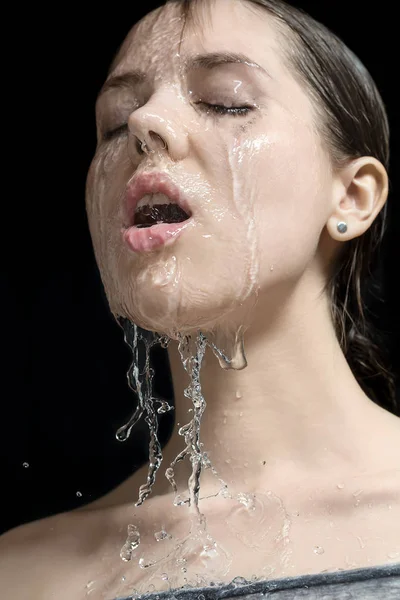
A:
x,y
253,169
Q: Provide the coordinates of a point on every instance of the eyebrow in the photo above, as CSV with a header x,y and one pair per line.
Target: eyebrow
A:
x,y
208,61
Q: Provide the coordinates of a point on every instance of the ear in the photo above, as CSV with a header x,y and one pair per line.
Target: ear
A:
x,y
360,193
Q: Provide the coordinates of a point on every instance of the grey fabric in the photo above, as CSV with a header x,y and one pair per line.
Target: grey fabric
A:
x,y
372,583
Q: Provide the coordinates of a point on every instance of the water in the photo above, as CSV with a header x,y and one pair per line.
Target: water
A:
x,y
132,542
161,535
191,350
230,354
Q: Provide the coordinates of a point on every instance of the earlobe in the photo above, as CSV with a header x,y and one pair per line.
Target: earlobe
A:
x,y
363,194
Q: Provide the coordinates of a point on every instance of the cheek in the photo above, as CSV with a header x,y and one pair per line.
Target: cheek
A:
x,y
106,182
283,177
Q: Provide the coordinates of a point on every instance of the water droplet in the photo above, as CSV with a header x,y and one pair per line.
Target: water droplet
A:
x,y
239,581
183,569
90,584
361,541
143,564
247,500
164,407
271,268
318,550
122,436
132,542
357,493
393,554
161,535
209,551
79,494
164,576
123,578
340,486
238,394
25,465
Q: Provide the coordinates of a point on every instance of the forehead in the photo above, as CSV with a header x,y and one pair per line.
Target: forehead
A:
x,y
160,42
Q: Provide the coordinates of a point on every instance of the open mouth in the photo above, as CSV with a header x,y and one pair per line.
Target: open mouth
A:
x,y
157,221
154,209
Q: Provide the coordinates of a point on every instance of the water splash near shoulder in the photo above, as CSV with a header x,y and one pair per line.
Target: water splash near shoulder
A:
x,y
132,542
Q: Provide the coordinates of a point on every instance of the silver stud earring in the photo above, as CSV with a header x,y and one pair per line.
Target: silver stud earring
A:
x,y
342,227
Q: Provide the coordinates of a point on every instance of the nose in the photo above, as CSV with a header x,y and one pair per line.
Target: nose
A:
x,y
156,129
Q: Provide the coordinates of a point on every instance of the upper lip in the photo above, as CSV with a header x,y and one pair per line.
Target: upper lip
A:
x,y
152,183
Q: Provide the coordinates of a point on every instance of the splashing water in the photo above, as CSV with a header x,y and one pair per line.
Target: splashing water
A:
x,y
143,390
140,376
191,350
132,542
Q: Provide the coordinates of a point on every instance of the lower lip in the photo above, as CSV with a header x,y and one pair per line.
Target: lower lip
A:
x,y
146,239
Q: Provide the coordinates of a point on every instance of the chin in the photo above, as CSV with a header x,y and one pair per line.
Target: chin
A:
x,y
161,314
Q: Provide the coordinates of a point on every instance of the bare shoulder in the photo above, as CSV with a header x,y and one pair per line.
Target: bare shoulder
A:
x,y
38,559
21,567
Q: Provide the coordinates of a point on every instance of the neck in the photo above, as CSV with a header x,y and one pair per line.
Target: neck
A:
x,y
295,407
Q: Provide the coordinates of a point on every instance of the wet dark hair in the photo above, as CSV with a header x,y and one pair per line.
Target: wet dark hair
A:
x,y
353,123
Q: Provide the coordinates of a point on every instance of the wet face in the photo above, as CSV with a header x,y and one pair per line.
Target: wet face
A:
x,y
227,124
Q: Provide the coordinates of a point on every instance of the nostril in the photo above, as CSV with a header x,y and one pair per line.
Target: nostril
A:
x,y
156,137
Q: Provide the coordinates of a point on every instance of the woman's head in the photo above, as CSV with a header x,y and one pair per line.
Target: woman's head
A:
x,y
274,132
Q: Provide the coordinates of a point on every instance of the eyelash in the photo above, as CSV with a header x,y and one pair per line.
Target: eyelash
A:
x,y
217,109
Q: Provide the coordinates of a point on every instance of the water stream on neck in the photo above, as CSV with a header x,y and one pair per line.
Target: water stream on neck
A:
x,y
230,354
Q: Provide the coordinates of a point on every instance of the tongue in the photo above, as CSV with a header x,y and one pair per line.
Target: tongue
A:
x,y
146,216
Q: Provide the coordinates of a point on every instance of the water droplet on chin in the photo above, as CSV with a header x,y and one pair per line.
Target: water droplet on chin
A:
x,y
340,486
393,555
79,494
318,550
25,465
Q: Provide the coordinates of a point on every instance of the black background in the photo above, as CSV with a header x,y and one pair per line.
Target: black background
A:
x,y
64,390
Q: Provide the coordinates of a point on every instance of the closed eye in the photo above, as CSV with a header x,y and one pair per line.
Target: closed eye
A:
x,y
216,109
108,135
221,109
